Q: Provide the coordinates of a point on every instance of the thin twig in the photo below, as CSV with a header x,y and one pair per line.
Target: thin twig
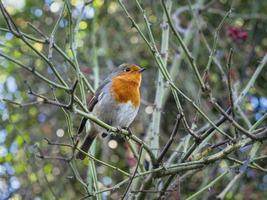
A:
x,y
235,124
134,173
173,134
229,80
185,49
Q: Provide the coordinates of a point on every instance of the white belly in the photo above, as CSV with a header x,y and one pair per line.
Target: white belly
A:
x,y
114,114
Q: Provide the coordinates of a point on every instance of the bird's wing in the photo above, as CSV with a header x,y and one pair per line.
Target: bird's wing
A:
x,y
98,94
93,101
82,125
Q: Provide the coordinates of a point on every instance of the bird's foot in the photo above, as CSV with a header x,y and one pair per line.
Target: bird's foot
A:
x,y
119,128
129,131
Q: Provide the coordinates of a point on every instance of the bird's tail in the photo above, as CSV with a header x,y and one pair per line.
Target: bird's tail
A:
x,y
86,144
82,125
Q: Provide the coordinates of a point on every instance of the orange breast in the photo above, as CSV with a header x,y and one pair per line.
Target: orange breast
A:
x,y
126,87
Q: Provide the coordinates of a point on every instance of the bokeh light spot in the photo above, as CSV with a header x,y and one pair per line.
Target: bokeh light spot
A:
x,y
38,46
3,151
9,36
38,12
98,3
14,4
113,144
41,117
14,182
55,7
2,136
149,110
107,180
83,25
60,132
11,84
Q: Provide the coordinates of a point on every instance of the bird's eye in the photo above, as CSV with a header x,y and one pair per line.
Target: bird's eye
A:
x,y
127,69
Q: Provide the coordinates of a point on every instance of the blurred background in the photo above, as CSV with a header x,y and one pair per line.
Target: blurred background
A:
x,y
105,33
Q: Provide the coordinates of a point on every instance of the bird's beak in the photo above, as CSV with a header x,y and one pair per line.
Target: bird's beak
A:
x,y
141,70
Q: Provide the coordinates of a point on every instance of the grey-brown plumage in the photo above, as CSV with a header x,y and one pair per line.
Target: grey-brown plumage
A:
x,y
106,108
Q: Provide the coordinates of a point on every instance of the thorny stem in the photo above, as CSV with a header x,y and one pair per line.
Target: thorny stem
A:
x,y
229,60
185,49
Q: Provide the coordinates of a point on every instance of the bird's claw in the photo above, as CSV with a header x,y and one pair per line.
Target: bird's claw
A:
x,y
129,131
119,129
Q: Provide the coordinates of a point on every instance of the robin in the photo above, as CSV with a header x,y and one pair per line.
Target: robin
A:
x,y
116,102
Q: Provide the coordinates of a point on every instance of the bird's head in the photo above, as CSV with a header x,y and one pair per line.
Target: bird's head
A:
x,y
128,72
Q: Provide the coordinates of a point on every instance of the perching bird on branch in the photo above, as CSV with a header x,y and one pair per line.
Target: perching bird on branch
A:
x,y
116,102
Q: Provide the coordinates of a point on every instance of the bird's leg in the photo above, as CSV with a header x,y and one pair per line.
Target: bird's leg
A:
x,y
126,128
129,131
119,128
